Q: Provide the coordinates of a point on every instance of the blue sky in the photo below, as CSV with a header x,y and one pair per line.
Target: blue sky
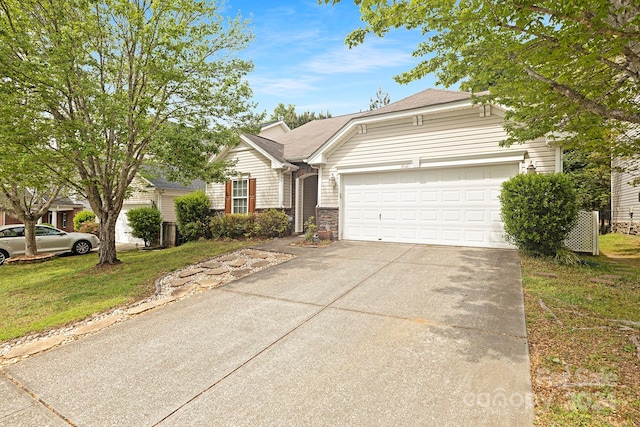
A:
x,y
300,57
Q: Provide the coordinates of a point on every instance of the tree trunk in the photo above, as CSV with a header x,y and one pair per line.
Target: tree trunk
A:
x,y
107,252
30,236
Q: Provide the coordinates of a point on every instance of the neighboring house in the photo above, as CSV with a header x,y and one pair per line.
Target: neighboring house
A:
x,y
60,214
625,197
158,192
426,169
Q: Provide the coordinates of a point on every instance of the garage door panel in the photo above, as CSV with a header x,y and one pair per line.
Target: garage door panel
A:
x,y
456,206
428,215
475,216
389,197
451,236
371,197
477,236
451,215
429,196
476,195
452,196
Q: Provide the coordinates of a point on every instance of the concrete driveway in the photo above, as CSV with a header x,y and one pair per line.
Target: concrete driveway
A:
x,y
353,334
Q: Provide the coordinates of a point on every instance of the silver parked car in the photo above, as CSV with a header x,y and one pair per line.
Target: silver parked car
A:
x,y
48,239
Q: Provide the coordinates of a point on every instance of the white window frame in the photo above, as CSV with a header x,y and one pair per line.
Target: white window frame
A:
x,y
235,182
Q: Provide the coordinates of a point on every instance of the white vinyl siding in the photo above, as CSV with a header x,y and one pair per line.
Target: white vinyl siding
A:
x,y
167,204
248,161
141,192
624,196
442,135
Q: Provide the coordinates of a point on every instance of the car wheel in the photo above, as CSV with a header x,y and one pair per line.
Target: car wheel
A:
x,y
3,255
81,247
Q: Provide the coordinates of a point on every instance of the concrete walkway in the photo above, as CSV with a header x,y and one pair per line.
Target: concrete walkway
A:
x,y
353,334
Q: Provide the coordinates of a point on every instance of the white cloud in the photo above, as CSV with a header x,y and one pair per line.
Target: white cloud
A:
x,y
282,86
365,58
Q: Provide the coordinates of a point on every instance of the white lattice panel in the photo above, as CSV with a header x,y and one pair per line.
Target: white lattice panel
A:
x,y
584,236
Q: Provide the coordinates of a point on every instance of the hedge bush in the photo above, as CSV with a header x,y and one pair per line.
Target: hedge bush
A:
x,y
145,223
538,212
233,226
271,223
193,215
83,217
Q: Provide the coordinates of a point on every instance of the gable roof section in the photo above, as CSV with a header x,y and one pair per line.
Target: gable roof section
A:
x,y
304,140
273,124
272,150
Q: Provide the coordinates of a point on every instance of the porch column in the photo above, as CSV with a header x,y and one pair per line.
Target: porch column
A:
x,y
299,205
54,218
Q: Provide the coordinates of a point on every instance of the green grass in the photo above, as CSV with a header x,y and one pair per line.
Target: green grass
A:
x,y
37,297
584,366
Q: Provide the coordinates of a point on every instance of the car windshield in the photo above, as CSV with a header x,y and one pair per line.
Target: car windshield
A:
x,y
12,232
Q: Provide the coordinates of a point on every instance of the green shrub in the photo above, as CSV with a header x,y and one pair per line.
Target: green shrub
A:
x,y
310,228
193,231
271,223
89,227
145,223
233,226
193,215
83,217
538,211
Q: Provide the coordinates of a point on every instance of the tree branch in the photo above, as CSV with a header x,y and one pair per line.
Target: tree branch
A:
x,y
583,101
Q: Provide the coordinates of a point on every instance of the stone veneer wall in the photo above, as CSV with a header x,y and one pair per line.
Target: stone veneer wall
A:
x,y
328,217
623,227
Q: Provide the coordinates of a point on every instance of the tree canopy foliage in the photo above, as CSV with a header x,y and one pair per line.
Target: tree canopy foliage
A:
x,y
564,68
29,171
122,81
288,115
590,173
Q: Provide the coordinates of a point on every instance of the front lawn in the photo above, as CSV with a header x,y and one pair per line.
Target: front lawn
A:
x,y
37,297
584,336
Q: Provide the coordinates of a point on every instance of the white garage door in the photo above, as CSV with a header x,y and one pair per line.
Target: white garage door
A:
x,y
453,206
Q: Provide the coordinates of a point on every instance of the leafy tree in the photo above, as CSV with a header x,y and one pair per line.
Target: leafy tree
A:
x,y
28,182
382,99
591,177
292,119
145,223
564,68
112,77
538,212
193,215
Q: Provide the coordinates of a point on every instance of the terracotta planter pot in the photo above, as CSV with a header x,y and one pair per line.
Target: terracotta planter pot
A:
x,y
324,234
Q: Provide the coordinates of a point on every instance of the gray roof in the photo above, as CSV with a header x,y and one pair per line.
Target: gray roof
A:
x,y
163,183
156,177
426,98
304,140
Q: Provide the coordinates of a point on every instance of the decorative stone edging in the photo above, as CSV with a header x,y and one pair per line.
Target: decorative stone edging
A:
x,y
23,259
